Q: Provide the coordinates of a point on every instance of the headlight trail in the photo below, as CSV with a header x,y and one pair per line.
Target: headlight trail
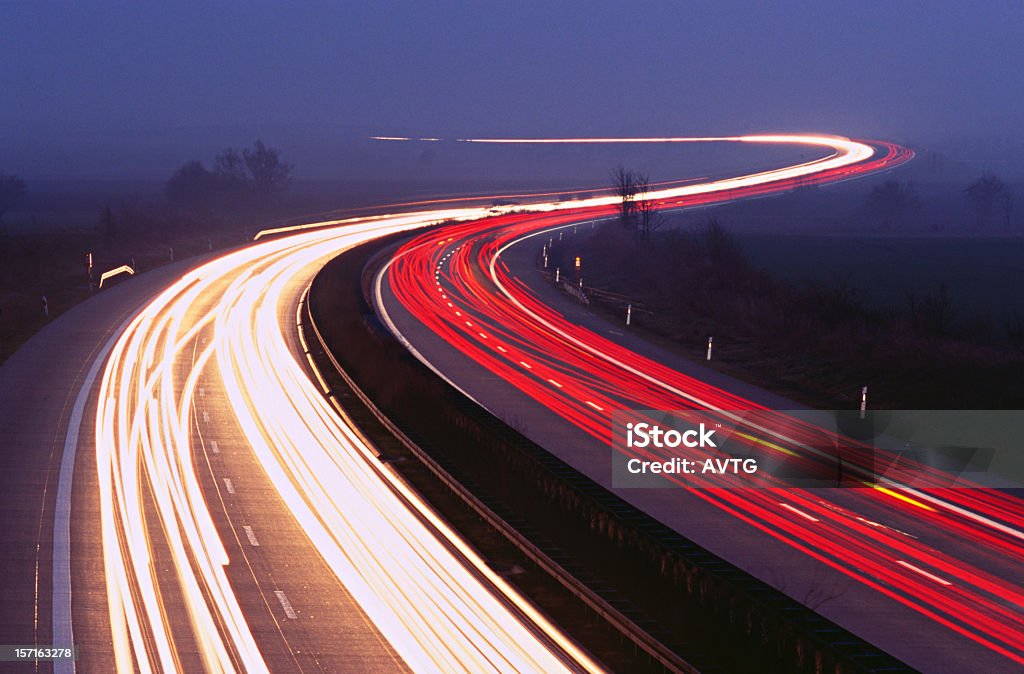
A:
x,y
435,602
583,377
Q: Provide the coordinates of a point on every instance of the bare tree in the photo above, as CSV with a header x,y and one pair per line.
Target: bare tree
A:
x,y
230,169
12,192
624,185
649,219
985,195
267,172
252,175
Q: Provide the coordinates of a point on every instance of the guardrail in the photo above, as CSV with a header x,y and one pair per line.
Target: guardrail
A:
x,y
654,648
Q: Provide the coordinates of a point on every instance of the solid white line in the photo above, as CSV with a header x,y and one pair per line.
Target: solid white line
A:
x,y
941,581
251,536
229,485
63,632
286,605
799,512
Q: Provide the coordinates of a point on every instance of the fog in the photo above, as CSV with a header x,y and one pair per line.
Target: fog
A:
x,y
130,91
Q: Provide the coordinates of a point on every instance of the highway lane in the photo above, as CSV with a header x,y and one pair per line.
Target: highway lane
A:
x,y
956,589
39,385
173,508
219,337
214,512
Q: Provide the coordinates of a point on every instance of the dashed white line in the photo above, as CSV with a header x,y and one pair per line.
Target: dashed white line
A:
x,y
526,365
206,417
286,605
229,485
214,447
595,406
931,576
482,335
251,536
552,381
799,512
502,349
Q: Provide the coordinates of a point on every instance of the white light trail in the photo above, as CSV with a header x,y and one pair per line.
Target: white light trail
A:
x,y
436,602
438,605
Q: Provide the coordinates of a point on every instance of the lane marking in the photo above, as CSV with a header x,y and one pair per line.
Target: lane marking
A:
x,y
799,512
526,365
251,536
206,417
940,581
63,632
595,406
286,605
897,495
229,485
555,383
214,447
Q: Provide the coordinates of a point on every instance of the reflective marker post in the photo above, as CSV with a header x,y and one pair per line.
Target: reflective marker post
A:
x,y
629,313
710,339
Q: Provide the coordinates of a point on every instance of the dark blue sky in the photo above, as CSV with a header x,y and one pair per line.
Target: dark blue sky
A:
x,y
906,70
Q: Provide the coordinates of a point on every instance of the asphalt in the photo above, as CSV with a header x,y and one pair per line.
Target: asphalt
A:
x,y
890,625
318,629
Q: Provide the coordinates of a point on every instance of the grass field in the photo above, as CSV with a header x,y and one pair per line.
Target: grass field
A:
x,y
984,276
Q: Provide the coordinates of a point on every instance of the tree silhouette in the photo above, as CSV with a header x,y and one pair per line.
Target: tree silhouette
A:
x,y
251,175
624,186
892,201
267,172
985,195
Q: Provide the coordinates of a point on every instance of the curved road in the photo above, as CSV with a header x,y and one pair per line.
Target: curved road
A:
x,y
179,496
933,576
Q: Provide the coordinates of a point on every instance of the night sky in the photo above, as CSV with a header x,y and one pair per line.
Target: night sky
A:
x,y
75,74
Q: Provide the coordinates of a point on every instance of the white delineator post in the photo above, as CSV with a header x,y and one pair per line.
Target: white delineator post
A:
x,y
710,339
558,274
629,313
863,401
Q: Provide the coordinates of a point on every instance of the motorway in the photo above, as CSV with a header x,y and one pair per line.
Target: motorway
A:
x,y
179,496
200,507
933,576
